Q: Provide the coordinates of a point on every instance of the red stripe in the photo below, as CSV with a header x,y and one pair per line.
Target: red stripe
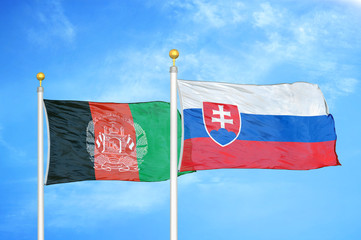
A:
x,y
114,156
203,153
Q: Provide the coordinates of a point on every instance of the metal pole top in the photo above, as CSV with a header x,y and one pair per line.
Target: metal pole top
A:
x,y
174,55
40,76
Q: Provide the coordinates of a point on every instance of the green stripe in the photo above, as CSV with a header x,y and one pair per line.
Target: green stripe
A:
x,y
152,126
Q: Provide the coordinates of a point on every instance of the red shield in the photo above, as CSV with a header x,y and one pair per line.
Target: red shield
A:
x,y
222,122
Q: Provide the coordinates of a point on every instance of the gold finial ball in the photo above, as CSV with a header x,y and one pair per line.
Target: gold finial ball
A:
x,y
40,76
173,53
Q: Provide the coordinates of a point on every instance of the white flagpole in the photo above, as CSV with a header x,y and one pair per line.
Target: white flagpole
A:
x,y
173,148
40,76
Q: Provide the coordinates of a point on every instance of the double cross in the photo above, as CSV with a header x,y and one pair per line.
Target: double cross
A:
x,y
221,118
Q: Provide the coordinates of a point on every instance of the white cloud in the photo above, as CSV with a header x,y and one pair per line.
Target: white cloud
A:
x,y
311,41
86,203
215,14
304,34
19,219
338,87
209,66
133,76
52,24
218,15
122,75
306,41
348,85
353,2
13,150
188,180
230,197
268,16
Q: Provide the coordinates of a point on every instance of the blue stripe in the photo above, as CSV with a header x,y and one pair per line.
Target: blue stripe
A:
x,y
276,128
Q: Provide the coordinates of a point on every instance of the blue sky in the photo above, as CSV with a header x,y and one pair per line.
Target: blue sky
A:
x,y
118,51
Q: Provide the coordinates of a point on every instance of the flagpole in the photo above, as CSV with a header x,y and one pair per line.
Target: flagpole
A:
x,y
40,76
173,148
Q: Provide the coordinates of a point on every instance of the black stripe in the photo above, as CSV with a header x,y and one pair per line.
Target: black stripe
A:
x,y
70,156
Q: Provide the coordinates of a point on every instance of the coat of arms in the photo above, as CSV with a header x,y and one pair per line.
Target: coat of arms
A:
x,y
111,143
222,122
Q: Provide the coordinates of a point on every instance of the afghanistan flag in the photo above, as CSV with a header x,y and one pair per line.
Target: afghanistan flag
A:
x,y
108,141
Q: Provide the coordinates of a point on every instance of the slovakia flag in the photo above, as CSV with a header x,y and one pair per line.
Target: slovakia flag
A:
x,y
282,126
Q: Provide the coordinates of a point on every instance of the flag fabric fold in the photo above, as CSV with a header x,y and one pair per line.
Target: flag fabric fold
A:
x,y
108,141
282,126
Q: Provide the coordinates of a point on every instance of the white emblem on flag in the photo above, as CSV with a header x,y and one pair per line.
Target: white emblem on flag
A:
x,y
114,148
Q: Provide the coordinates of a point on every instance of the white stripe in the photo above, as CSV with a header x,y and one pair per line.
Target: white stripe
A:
x,y
300,98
